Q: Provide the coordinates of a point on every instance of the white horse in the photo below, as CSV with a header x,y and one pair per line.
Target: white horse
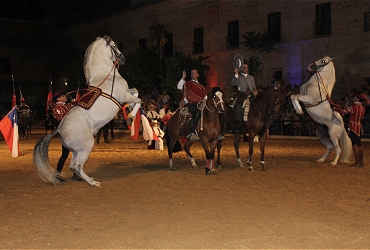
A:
x,y
315,95
77,129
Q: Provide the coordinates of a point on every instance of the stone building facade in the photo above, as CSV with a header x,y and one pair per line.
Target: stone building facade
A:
x,y
308,31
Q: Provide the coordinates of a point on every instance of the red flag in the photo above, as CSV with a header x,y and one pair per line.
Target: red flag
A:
x,y
135,126
78,95
125,114
49,98
148,132
14,100
21,98
9,128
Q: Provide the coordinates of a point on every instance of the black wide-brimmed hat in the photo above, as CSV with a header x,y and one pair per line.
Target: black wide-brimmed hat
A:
x,y
238,62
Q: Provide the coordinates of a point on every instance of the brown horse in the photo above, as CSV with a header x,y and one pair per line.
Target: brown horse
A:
x,y
264,110
208,129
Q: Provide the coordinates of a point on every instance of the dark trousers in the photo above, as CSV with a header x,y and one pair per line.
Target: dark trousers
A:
x,y
195,112
63,158
356,140
105,129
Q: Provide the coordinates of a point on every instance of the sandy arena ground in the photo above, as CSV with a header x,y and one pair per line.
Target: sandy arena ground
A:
x,y
296,203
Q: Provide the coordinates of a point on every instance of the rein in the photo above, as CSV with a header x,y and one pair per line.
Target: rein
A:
x,y
109,96
319,80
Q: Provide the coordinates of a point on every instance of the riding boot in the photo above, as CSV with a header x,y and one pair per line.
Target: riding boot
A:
x,y
361,156
356,153
193,135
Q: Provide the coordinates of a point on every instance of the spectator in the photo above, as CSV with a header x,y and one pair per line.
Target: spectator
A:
x,y
152,113
165,119
104,129
287,119
153,144
296,124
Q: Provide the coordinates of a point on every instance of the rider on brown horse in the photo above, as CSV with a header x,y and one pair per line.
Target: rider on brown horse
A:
x,y
193,92
246,88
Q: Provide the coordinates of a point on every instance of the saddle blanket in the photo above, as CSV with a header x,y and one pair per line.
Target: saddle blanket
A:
x,y
89,98
246,105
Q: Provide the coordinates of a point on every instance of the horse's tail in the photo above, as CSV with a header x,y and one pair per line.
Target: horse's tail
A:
x,y
346,147
41,158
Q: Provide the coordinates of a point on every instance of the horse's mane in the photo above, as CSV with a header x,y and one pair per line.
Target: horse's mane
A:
x,y
215,89
267,94
86,60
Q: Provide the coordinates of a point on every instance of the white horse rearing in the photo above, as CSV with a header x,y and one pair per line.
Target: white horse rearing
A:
x,y
315,95
78,127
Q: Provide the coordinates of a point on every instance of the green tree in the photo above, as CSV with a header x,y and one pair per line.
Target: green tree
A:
x,y
257,42
157,34
139,71
174,68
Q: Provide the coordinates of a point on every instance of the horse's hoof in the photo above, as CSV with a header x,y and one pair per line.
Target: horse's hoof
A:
x,y
264,169
173,168
250,168
211,171
219,166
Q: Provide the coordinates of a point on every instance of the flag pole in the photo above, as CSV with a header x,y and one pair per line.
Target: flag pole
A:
x,y
14,98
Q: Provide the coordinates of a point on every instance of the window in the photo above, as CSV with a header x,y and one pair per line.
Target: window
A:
x,y
168,47
233,34
323,19
198,40
142,43
5,65
274,27
367,21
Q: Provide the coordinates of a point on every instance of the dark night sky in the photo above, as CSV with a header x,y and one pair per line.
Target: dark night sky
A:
x,y
70,11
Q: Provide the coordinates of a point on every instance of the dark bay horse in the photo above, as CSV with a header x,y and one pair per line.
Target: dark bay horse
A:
x,y
264,110
208,128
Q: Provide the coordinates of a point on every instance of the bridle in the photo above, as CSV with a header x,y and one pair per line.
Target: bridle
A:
x,y
274,114
115,51
216,103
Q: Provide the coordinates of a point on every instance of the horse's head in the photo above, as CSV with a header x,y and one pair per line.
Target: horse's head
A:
x,y
319,64
217,96
116,54
277,108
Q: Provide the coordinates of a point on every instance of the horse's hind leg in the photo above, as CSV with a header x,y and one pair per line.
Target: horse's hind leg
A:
x,y
190,156
237,135
323,135
77,163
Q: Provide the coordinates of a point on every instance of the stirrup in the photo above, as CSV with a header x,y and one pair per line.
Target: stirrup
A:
x,y
220,137
193,137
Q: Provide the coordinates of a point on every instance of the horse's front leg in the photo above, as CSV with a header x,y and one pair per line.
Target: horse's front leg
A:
x,y
219,146
262,148
210,156
295,101
236,146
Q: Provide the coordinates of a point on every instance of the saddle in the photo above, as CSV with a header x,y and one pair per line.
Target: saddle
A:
x,y
89,98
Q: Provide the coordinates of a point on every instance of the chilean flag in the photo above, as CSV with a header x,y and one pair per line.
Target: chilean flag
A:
x,y
9,128
148,132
